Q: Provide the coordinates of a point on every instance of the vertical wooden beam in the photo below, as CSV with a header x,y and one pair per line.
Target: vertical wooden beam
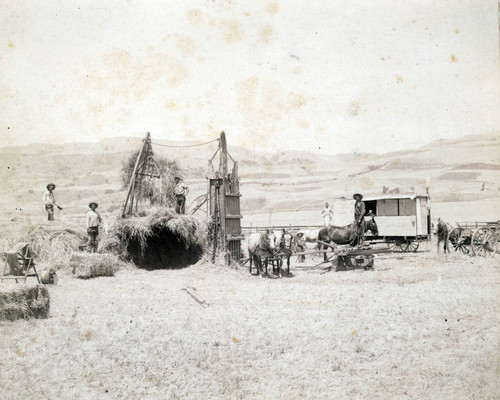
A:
x,y
235,185
131,185
222,198
223,158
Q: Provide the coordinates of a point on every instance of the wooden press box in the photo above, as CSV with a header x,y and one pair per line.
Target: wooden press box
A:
x,y
350,262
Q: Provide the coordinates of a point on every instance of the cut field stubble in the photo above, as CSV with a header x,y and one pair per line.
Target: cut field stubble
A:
x,y
416,327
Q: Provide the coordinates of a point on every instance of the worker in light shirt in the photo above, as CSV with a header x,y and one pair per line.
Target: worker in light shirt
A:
x,y
327,214
181,190
49,201
93,222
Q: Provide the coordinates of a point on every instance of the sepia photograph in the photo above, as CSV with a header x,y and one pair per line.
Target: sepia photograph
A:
x,y
262,200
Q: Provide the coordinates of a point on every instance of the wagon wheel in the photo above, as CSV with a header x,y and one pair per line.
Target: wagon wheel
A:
x,y
484,242
459,241
397,245
410,245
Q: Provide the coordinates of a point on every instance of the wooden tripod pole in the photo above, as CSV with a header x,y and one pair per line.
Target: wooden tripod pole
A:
x,y
131,185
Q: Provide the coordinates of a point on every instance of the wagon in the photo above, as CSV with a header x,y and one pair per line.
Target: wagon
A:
x,y
477,239
403,221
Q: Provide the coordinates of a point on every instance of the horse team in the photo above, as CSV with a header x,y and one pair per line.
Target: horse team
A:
x,y
274,246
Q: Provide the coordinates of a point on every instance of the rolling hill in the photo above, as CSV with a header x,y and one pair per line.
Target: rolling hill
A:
x,y
461,171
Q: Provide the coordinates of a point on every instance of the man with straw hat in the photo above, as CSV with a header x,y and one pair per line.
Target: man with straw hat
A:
x,y
359,218
49,201
93,222
181,190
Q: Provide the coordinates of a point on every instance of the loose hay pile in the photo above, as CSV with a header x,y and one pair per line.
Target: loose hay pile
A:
x,y
24,302
158,191
92,265
53,242
158,239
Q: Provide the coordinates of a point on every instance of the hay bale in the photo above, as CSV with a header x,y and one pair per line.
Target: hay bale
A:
x,y
158,238
24,302
91,265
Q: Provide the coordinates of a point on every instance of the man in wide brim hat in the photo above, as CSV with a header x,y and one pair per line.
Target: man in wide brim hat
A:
x,y
359,218
93,222
49,201
181,190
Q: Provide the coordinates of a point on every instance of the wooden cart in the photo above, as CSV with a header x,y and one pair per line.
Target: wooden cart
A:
x,y
475,239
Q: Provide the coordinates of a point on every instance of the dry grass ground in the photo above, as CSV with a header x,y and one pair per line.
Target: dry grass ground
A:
x,y
418,327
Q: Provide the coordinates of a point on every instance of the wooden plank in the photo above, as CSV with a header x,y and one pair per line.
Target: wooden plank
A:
x,y
326,244
305,253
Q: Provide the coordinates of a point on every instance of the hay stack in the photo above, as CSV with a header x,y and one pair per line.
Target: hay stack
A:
x,y
158,239
24,302
91,265
53,242
159,191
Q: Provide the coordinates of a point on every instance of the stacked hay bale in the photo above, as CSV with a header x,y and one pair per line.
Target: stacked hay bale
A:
x,y
158,238
24,302
91,265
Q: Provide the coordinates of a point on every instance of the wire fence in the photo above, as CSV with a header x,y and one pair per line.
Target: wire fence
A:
x,y
185,145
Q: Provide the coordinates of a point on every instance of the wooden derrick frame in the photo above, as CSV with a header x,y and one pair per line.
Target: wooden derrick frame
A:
x,y
144,166
224,203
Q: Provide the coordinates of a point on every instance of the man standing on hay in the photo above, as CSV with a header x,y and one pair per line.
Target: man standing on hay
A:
x,y
359,218
93,222
181,190
49,201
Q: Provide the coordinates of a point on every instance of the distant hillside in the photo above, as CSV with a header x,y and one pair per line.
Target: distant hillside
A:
x,y
459,170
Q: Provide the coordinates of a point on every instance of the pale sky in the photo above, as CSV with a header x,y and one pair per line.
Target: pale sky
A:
x,y
343,76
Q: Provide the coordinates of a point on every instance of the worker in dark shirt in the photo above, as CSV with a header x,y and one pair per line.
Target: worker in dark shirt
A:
x,y
359,218
442,235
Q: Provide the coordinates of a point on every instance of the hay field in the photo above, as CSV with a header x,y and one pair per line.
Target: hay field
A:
x,y
419,326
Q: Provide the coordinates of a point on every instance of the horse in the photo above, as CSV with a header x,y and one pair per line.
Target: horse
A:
x,y
343,234
260,245
286,243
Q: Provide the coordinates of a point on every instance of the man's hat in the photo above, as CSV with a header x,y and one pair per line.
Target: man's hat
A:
x,y
96,205
51,184
357,195
177,177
